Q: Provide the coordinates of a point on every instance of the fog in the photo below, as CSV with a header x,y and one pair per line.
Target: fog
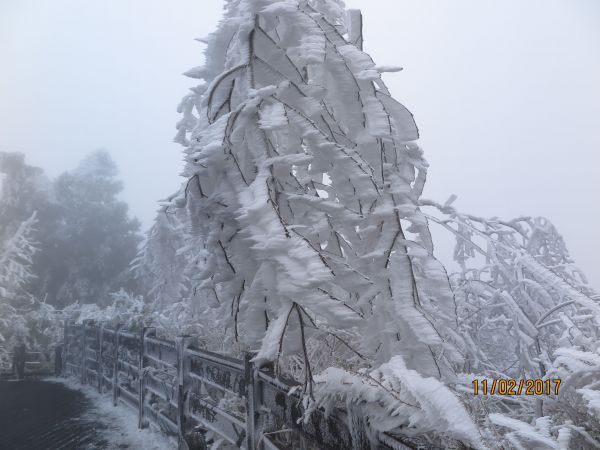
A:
x,y
505,95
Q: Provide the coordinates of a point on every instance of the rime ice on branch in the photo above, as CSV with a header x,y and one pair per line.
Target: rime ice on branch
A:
x,y
299,234
527,312
298,227
302,193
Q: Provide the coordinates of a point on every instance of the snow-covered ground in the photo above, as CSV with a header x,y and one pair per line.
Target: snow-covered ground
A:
x,y
121,423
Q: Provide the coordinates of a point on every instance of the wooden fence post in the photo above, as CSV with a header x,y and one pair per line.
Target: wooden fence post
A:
x,y
141,394
83,353
358,427
99,357
65,349
251,406
58,355
182,343
116,365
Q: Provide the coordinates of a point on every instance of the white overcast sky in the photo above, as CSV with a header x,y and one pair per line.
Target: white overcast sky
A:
x,y
506,95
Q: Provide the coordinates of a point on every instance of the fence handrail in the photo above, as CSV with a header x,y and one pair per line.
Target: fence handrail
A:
x,y
139,367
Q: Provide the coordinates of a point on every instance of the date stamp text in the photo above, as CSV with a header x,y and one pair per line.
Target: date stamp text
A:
x,y
515,387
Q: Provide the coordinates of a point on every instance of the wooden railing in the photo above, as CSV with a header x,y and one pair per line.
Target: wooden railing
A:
x,y
36,364
187,392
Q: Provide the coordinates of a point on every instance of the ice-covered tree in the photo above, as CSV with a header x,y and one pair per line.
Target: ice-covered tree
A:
x,y
161,263
302,190
162,266
16,260
86,239
16,254
301,219
24,189
89,250
299,233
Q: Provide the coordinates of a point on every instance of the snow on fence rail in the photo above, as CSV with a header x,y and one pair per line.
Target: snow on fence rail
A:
x,y
188,392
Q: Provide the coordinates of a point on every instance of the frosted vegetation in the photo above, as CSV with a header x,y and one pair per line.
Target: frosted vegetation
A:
x,y
64,244
300,234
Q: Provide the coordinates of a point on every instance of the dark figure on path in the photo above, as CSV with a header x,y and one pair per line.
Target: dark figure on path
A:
x,y
19,355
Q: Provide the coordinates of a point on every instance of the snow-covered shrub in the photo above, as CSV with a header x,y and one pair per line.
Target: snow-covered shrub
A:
x,y
395,398
122,308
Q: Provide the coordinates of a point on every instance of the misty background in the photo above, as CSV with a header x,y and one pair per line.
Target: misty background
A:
x,y
505,94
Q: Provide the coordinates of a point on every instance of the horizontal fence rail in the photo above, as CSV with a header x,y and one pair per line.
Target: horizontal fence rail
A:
x,y
36,364
187,392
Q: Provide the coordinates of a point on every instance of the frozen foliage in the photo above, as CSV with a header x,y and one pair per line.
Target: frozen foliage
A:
x,y
23,318
539,435
161,263
298,226
23,190
299,234
301,199
527,312
15,261
85,239
393,397
15,271
123,309
95,239
62,241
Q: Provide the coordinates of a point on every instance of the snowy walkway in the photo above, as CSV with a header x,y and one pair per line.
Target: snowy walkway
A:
x,y
49,414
